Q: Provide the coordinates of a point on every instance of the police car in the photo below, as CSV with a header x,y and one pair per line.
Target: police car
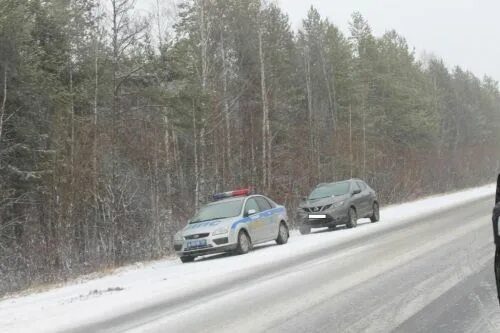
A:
x,y
233,222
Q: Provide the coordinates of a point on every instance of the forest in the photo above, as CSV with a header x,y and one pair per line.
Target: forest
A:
x,y
115,125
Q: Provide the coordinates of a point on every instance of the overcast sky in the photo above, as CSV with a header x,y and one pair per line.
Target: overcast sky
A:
x,y
462,32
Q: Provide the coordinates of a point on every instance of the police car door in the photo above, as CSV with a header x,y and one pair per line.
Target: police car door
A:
x,y
256,225
270,219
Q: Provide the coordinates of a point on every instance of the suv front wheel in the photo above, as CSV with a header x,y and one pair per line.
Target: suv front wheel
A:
x,y
352,218
376,213
305,230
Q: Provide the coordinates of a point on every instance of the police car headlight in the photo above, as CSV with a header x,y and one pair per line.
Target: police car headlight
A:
x,y
178,237
220,231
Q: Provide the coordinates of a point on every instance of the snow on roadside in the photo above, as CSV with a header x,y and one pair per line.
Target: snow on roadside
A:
x,y
139,285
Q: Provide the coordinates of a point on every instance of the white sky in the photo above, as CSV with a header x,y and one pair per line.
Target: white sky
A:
x,y
462,32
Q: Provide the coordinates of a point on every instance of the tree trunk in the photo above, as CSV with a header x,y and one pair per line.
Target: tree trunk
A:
x,y
155,198
116,228
94,142
196,159
265,119
4,99
331,100
307,63
158,24
204,78
350,141
226,165
204,45
364,141
168,159
332,103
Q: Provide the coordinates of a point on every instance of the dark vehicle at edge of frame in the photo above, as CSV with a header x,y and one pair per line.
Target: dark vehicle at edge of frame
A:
x,y
496,236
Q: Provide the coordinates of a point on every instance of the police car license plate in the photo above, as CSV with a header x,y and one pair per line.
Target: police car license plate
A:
x,y
196,243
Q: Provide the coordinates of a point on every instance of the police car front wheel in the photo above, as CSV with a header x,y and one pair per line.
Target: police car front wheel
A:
x,y
244,243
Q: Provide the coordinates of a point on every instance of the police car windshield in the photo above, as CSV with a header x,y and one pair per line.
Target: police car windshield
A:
x,y
219,211
329,190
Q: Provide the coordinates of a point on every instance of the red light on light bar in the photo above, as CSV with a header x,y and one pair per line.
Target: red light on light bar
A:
x,y
241,192
235,193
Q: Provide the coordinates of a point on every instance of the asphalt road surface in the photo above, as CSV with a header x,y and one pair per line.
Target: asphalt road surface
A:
x,y
431,274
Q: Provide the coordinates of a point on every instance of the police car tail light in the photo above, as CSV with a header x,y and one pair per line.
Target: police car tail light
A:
x,y
236,193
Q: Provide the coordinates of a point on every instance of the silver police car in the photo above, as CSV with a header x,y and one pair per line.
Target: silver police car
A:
x,y
234,222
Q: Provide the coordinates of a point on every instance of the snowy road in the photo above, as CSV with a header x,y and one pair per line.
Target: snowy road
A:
x,y
429,272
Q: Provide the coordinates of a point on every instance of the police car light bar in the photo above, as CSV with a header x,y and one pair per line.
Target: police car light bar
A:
x,y
230,194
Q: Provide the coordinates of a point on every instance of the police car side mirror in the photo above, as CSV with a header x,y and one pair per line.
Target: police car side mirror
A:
x,y
251,212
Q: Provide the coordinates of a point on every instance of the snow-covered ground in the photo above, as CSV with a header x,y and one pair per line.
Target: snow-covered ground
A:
x,y
133,287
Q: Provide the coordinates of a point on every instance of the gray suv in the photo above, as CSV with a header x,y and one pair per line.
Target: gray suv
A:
x,y
333,204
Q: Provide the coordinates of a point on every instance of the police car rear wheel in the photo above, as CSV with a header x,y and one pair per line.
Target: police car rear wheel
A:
x,y
244,243
187,259
282,234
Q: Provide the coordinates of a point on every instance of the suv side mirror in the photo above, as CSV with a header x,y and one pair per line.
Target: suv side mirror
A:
x,y
356,192
251,212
